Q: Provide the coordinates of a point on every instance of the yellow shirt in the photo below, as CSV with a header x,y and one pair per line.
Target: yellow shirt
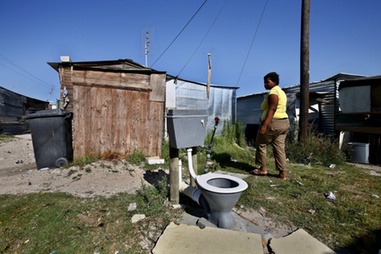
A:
x,y
281,110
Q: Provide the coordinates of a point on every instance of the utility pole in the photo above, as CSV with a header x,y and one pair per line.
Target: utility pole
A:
x,y
209,75
304,72
146,46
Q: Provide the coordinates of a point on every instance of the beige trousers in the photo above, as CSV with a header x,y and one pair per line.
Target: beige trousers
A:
x,y
276,136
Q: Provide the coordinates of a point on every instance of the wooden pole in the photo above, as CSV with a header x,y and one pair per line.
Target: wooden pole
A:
x,y
304,71
174,177
209,75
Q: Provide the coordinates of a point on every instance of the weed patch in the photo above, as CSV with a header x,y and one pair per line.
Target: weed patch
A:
x,y
43,223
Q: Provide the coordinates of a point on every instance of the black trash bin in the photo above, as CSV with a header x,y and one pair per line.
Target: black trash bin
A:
x,y
51,137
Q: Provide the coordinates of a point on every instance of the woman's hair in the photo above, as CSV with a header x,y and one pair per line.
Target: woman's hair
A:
x,y
273,76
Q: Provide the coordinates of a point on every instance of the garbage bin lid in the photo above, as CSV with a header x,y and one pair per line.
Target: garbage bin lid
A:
x,y
47,113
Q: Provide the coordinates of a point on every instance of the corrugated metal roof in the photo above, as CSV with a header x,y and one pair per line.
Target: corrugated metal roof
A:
x,y
373,80
342,76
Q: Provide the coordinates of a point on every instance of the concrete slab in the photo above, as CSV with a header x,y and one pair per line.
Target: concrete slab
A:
x,y
196,217
186,239
299,242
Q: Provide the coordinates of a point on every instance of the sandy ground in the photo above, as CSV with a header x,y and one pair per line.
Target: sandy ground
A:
x,y
19,175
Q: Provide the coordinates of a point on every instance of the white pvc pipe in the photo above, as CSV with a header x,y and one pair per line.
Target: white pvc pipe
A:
x,y
193,193
180,172
190,164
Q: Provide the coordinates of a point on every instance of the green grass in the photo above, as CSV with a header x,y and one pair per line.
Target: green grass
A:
x,y
301,201
5,138
41,223
82,161
344,224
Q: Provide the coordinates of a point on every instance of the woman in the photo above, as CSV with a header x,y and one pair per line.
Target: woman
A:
x,y
274,127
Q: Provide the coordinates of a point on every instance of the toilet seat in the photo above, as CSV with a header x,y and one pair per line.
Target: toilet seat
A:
x,y
202,181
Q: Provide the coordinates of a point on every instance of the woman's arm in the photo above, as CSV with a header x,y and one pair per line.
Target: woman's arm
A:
x,y
272,101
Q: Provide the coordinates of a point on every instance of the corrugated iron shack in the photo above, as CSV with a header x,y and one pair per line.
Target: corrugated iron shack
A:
x,y
323,107
221,102
360,113
118,107
13,107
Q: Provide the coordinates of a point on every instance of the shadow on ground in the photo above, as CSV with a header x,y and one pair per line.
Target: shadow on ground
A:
x,y
366,243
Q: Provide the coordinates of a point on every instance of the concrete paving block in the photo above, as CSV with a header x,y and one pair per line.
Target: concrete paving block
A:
x,y
154,160
299,242
186,239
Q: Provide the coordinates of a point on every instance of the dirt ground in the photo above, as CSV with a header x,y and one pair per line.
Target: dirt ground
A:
x,y
19,175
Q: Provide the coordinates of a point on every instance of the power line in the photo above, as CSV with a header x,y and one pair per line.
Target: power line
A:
x,y
179,33
36,79
30,76
252,42
210,28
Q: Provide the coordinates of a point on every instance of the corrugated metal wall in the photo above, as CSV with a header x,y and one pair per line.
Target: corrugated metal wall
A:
x,y
222,101
328,105
249,107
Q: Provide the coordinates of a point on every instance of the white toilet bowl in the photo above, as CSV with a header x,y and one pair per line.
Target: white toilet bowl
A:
x,y
221,192
221,183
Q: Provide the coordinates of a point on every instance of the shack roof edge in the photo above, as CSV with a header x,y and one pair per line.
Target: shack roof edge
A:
x,y
170,77
89,64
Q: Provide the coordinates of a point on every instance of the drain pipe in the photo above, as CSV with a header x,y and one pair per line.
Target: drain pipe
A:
x,y
186,189
190,191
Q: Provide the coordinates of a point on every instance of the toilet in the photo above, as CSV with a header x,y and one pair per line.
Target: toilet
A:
x,y
221,192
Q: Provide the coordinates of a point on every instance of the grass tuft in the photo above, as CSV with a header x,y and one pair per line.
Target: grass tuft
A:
x,y
82,161
136,157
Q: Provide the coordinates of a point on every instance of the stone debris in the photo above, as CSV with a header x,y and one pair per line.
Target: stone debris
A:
x,y
88,221
132,207
137,218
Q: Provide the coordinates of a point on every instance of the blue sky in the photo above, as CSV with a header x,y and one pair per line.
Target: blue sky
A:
x,y
345,36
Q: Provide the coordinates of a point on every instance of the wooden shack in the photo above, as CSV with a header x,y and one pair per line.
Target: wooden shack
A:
x,y
117,106
13,107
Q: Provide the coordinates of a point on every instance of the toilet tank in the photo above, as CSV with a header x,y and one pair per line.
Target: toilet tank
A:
x,y
186,127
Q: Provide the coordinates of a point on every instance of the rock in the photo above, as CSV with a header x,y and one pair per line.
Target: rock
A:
x,y
137,218
132,207
87,221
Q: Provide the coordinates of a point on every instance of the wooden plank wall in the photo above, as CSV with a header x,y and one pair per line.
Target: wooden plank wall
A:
x,y
65,80
111,119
